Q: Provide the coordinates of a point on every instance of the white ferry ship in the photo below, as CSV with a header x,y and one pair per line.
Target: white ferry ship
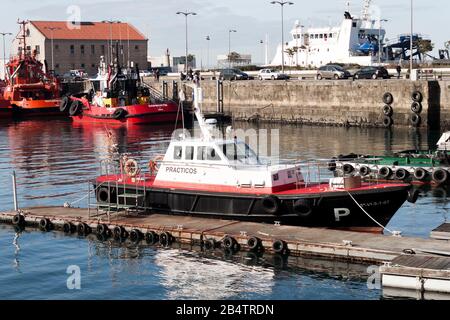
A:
x,y
355,41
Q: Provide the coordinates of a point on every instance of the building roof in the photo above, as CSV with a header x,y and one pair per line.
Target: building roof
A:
x,y
88,30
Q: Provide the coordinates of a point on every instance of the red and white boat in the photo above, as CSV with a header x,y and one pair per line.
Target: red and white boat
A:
x,y
120,98
223,178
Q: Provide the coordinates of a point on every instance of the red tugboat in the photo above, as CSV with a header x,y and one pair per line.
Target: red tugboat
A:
x,y
5,106
119,97
29,89
223,178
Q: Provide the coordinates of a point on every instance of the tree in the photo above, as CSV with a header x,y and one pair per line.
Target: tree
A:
x,y
424,46
234,57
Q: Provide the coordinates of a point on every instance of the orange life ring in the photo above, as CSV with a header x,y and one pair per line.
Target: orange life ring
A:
x,y
153,164
131,168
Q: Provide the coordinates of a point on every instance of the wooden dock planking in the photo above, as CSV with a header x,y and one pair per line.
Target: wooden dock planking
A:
x,y
442,232
301,241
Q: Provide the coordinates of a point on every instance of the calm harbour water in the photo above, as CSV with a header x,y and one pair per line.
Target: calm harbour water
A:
x,y
55,159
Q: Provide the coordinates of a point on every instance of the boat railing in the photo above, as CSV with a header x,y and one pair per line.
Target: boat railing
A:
x,y
156,95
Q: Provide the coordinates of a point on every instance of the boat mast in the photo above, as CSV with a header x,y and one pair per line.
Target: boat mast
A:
x,y
366,8
23,23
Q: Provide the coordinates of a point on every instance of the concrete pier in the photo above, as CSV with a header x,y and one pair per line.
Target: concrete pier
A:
x,y
342,103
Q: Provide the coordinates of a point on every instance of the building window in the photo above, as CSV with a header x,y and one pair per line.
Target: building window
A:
x,y
93,49
93,65
73,66
136,47
57,47
82,66
72,49
57,66
103,49
38,49
82,49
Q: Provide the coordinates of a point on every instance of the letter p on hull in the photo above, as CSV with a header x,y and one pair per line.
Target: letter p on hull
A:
x,y
340,213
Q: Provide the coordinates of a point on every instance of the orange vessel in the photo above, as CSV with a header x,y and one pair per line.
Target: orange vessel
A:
x,y
29,89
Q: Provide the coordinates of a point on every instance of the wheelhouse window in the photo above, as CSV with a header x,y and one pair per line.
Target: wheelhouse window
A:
x,y
239,151
212,154
189,154
178,153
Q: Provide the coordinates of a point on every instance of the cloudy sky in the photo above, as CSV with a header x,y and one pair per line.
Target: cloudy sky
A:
x,y
252,19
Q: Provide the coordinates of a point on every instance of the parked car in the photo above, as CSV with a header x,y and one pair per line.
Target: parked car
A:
x,y
234,74
145,73
269,74
73,76
372,73
332,72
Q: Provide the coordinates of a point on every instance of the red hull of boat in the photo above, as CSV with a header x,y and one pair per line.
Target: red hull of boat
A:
x,y
137,114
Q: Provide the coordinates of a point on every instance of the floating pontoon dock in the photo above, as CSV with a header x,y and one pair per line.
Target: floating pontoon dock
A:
x,y
409,263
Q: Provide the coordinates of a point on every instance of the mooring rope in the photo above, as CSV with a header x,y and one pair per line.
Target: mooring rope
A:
x,y
373,219
70,204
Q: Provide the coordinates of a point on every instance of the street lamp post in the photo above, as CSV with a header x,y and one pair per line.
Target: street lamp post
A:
x,y
411,42
208,38
186,14
262,50
229,47
52,30
4,34
282,4
380,51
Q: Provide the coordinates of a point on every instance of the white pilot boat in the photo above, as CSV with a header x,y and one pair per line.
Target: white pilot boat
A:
x,y
223,178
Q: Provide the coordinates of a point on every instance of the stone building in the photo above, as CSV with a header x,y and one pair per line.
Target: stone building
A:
x,y
80,46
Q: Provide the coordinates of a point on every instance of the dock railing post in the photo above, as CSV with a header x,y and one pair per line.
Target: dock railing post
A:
x,y
219,108
14,182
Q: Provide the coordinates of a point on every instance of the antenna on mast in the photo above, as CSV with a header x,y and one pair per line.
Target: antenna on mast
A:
x,y
365,13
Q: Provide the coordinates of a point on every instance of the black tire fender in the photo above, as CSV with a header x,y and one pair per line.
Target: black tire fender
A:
x,y
151,237
303,208
120,113
18,220
385,172
364,171
279,247
165,239
388,98
271,204
415,120
420,174
388,122
45,224
401,174
75,108
416,107
254,244
440,176
417,96
64,104
348,168
388,111
136,235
